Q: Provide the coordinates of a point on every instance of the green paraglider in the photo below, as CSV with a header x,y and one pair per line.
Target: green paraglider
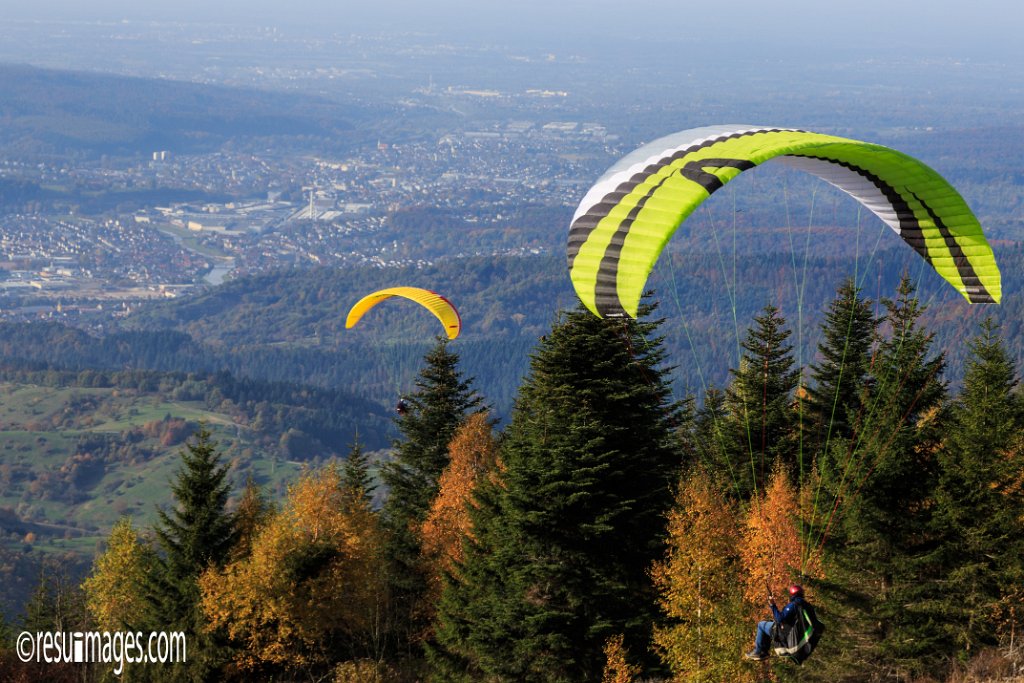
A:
x,y
629,215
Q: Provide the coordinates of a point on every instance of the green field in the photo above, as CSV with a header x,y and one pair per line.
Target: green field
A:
x,y
43,432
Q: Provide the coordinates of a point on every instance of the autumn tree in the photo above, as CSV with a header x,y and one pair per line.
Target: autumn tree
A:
x,y
699,587
311,592
473,454
115,590
617,668
772,548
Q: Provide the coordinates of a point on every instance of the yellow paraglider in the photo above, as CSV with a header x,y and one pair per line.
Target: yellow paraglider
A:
x,y
432,301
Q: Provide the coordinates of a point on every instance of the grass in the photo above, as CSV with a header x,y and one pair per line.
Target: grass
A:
x,y
122,488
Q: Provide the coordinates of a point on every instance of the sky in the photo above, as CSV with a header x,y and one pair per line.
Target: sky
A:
x,y
974,29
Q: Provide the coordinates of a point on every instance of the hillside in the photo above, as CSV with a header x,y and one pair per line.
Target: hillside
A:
x,y
80,450
49,112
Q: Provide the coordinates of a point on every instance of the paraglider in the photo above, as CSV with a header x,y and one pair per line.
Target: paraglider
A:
x,y
628,216
402,407
794,632
432,301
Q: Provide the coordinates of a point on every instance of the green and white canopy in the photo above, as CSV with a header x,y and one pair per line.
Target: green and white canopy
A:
x,y
628,216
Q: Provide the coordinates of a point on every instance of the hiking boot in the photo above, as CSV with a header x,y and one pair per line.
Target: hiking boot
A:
x,y
755,655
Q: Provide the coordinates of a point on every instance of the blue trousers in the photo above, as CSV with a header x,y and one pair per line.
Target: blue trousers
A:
x,y
763,644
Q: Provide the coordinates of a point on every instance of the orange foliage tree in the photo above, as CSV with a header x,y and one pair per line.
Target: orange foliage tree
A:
x,y
772,548
311,592
617,668
698,585
474,454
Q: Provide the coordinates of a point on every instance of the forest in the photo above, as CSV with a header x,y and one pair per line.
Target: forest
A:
x,y
289,325
612,530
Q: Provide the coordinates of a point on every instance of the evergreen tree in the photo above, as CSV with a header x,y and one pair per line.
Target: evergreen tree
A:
x,y
882,547
978,514
710,440
833,403
562,541
197,533
57,604
761,427
356,471
434,413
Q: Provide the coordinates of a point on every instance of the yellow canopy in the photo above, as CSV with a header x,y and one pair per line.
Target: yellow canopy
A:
x,y
432,301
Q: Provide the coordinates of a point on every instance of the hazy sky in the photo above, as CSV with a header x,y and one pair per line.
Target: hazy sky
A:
x,y
973,29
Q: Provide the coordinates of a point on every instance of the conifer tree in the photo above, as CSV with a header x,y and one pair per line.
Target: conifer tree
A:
x,y
356,471
563,541
882,548
979,514
197,533
56,604
833,403
442,400
710,440
762,424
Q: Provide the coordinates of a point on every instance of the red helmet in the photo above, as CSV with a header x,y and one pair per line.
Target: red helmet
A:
x,y
796,591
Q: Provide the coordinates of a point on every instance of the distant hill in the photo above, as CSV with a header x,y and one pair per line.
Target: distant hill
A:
x,y
75,114
289,325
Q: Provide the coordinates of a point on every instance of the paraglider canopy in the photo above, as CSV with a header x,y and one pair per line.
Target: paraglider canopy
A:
x,y
432,301
629,215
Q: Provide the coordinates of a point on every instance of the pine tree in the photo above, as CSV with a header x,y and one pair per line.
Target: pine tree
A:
x,y
761,427
978,515
57,604
197,533
356,472
833,404
882,547
440,404
563,541
711,441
